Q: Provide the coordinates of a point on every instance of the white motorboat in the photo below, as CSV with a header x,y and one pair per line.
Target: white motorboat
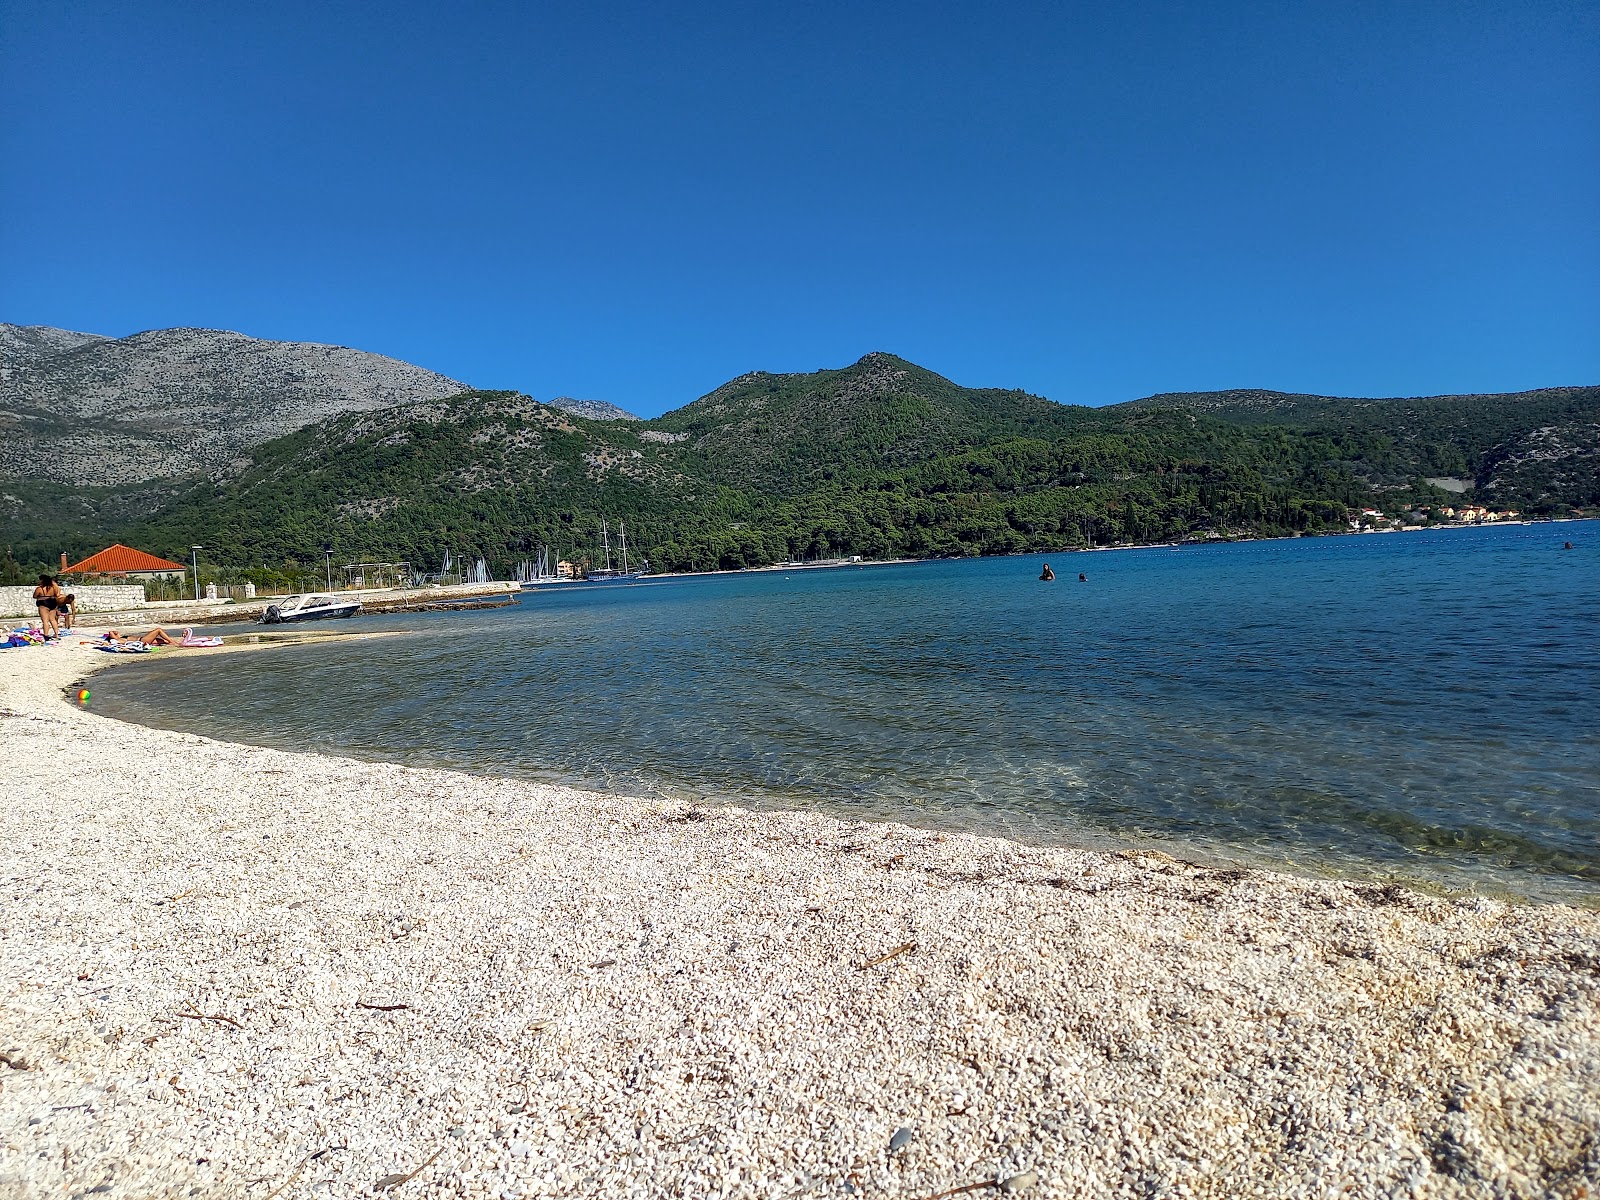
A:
x,y
310,607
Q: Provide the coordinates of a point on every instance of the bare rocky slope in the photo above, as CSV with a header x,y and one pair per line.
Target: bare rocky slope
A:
x,y
88,410
595,410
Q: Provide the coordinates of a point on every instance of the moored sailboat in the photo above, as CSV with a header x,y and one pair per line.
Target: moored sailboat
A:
x,y
608,574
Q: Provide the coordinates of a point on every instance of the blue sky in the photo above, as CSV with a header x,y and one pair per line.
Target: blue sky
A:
x,y
638,202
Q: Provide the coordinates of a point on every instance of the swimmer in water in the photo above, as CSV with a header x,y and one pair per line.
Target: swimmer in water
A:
x,y
1082,578
1047,574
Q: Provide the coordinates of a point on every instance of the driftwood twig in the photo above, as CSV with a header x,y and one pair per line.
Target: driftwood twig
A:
x,y
200,1016
904,948
966,1187
693,1135
381,1007
394,1181
300,1166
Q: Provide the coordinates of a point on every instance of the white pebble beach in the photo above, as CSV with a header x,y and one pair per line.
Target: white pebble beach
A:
x,y
242,972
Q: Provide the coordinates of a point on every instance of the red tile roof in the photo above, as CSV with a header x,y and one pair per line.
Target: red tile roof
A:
x,y
120,559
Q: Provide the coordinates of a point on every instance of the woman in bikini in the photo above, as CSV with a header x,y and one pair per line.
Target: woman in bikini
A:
x,y
47,597
156,637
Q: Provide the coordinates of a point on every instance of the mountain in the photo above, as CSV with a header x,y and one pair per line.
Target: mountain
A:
x,y
878,458
85,410
594,410
1253,406
495,473
29,345
1515,448
794,431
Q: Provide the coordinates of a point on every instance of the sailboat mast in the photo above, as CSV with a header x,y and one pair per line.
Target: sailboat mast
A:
x,y
606,538
623,527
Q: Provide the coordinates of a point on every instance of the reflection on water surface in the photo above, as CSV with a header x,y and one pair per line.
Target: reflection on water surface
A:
x,y
1418,705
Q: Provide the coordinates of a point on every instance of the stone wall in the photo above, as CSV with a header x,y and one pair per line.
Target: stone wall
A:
x,y
18,601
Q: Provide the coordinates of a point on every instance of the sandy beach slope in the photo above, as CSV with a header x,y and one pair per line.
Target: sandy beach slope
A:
x,y
228,971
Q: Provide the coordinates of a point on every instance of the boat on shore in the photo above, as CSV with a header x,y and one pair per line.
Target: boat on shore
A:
x,y
309,607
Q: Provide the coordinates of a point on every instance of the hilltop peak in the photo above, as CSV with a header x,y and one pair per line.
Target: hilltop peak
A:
x,y
881,409
882,358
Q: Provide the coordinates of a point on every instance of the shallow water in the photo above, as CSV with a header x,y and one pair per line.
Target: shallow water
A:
x,y
1418,706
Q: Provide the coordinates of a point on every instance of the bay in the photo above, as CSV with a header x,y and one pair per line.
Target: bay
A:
x,y
1416,706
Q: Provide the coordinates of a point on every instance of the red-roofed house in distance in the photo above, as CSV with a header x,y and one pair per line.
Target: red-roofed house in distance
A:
x,y
123,562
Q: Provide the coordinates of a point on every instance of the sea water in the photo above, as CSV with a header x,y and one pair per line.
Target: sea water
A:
x,y
1420,706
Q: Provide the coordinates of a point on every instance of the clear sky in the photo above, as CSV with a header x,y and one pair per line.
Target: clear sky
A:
x,y
637,202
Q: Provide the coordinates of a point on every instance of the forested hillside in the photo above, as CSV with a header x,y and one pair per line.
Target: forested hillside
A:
x,y
1520,448
880,458
792,432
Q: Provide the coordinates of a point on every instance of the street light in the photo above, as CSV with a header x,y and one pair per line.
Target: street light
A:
x,y
194,556
328,551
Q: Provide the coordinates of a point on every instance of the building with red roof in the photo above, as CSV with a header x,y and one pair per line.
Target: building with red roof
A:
x,y
125,562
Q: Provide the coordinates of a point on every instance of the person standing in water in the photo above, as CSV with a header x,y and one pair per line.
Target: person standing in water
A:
x,y
1047,574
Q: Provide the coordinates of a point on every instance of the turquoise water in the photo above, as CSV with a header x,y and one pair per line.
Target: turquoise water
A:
x,y
1418,706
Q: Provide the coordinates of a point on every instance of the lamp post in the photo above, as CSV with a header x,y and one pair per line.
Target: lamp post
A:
x,y
194,557
328,551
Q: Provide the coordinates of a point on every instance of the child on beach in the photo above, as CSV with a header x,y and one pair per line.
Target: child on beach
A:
x,y
67,611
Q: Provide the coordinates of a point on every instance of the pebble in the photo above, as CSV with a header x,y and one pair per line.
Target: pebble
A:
x,y
1071,1024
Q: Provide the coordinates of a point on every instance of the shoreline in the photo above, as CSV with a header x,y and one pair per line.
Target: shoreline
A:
x,y
221,962
1440,880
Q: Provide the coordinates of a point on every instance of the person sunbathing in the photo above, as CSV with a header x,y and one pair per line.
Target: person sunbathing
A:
x,y
156,637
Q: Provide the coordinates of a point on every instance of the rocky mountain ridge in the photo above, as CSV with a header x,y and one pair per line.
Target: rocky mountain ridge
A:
x,y
29,345
594,410
88,410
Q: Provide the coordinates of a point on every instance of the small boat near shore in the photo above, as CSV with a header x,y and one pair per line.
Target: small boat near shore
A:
x,y
309,607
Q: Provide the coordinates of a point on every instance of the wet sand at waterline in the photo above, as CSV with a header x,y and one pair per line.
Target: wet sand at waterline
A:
x,y
228,970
